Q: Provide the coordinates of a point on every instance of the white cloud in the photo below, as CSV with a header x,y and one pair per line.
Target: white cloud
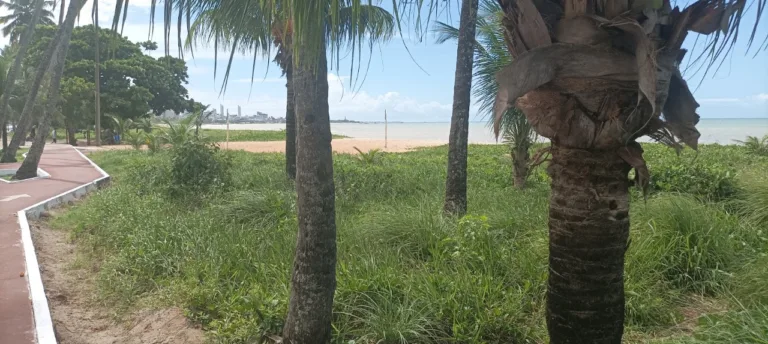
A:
x,y
257,80
342,102
718,100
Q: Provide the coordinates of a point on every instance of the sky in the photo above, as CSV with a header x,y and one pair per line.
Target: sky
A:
x,y
412,78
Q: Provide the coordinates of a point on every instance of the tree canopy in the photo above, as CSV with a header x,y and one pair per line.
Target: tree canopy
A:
x,y
133,84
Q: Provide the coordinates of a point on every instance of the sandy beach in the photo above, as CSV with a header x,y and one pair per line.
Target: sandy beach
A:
x,y
339,145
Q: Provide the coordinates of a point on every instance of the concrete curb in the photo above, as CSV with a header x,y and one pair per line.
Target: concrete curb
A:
x,y
4,172
44,333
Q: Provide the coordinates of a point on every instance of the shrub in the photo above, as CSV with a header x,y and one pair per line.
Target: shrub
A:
x,y
197,167
696,246
708,181
155,142
135,139
755,145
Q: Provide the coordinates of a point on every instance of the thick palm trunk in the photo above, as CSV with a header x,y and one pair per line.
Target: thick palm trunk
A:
x,y
313,280
588,232
26,118
520,161
290,124
28,168
13,73
456,179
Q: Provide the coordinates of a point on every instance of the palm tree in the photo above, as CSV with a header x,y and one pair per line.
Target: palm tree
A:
x,y
3,73
27,118
55,63
250,35
97,70
23,14
13,73
456,178
491,55
593,77
314,26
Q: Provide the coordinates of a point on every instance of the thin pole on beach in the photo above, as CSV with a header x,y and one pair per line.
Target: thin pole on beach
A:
x,y
385,128
227,129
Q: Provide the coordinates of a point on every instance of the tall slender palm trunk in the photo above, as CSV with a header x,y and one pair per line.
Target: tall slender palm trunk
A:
x,y
27,115
456,179
97,70
588,232
28,168
313,279
13,73
290,124
5,134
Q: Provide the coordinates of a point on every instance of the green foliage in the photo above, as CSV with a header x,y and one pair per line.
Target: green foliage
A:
x,y
370,157
742,326
135,138
198,168
698,247
22,13
405,272
706,174
179,132
132,83
755,145
155,142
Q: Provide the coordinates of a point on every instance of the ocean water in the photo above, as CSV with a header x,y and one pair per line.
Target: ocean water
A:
x,y
723,131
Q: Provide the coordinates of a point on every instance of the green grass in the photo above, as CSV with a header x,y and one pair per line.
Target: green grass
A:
x,y
19,153
406,274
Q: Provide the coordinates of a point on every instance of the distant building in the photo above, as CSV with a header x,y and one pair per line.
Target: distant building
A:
x,y
260,117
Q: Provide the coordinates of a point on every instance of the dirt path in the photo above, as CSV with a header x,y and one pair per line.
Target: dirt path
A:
x,y
78,319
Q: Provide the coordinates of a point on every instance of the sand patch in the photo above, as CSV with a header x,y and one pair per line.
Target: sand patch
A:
x,y
339,146
78,319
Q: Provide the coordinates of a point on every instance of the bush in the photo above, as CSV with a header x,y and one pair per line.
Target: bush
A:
x,y
197,167
710,182
708,174
696,247
135,139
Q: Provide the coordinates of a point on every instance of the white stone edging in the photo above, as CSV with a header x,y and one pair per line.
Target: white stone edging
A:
x,y
40,174
44,333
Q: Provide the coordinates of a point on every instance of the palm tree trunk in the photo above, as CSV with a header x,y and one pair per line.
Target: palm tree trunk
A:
x,y
26,118
61,12
456,179
520,160
28,168
5,134
97,73
588,232
72,139
290,125
313,279
13,73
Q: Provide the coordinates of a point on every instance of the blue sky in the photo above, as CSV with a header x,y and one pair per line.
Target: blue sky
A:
x,y
397,84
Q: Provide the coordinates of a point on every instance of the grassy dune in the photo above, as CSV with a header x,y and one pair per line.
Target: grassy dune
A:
x,y
695,270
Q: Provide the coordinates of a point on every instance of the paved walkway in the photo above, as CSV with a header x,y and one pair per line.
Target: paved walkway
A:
x,y
68,170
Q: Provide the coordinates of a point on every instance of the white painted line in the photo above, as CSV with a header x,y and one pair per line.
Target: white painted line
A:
x,y
11,198
44,333
43,324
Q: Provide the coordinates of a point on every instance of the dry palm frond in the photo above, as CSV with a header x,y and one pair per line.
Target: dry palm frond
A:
x,y
596,46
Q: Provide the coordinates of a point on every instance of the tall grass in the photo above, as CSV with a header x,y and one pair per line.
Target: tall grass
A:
x,y
406,274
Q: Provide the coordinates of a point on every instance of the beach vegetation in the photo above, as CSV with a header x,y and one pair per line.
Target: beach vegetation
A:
x,y
406,273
